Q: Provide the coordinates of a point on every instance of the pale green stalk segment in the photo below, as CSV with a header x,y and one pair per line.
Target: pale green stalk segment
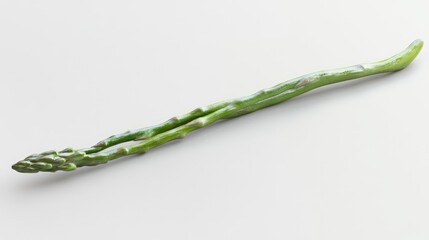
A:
x,y
179,127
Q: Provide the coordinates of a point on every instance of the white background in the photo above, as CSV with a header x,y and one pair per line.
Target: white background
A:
x,y
349,161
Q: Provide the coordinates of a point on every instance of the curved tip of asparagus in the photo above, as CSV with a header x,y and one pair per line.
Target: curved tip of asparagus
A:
x,y
404,58
418,42
416,46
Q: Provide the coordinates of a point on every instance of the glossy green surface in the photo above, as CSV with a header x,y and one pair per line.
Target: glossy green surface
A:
x,y
178,127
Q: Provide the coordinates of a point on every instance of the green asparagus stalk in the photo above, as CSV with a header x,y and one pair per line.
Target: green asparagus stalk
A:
x,y
178,127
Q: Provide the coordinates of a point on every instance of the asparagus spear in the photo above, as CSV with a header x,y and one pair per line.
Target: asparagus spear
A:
x,y
178,127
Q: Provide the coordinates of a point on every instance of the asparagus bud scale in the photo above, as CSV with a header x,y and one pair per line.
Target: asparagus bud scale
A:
x,y
178,127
